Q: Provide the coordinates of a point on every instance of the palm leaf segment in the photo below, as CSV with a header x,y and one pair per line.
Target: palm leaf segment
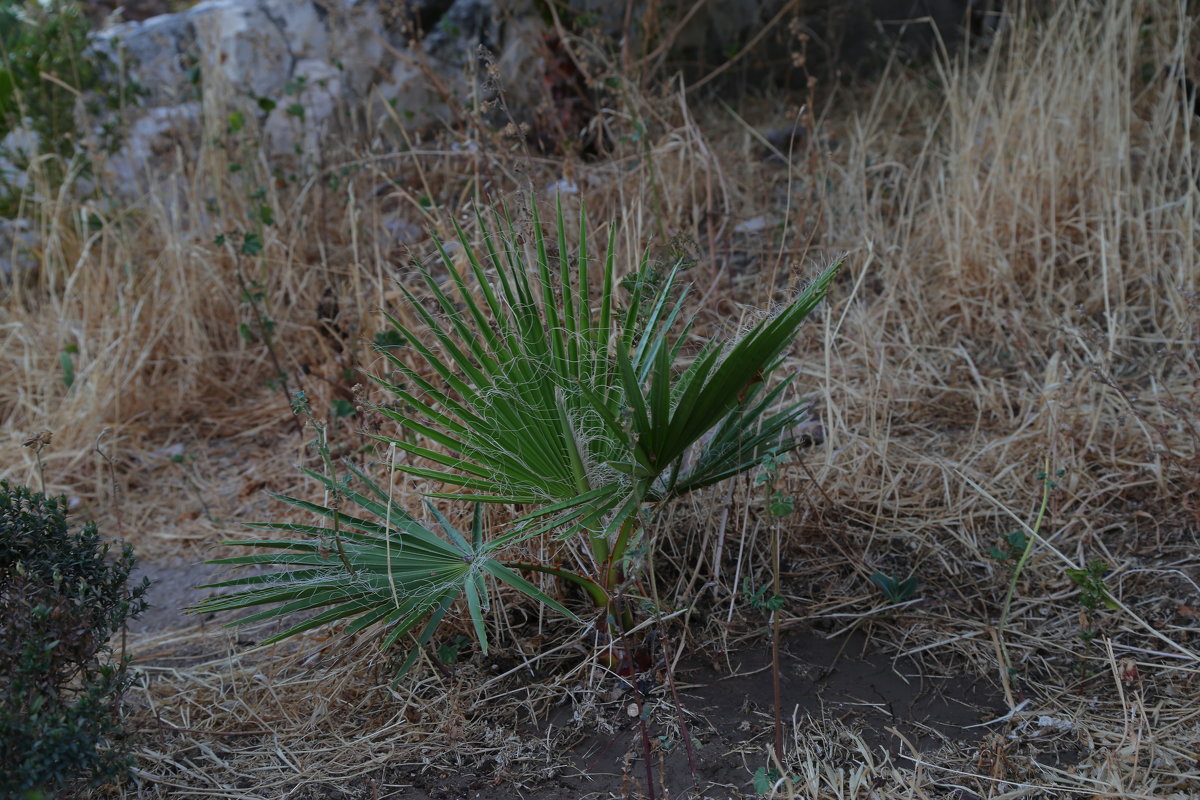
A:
x,y
553,399
391,571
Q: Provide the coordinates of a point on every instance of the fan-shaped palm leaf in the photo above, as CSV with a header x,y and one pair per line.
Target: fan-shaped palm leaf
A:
x,y
556,400
383,569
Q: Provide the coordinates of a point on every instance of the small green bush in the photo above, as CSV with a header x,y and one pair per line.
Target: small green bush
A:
x,y
63,596
53,80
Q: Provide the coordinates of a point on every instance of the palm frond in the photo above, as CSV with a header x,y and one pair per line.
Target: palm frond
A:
x,y
392,572
553,394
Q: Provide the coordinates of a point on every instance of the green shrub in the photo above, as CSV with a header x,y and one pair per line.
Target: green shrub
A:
x,y
63,596
52,81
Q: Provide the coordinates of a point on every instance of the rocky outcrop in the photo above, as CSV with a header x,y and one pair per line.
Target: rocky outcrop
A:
x,y
250,47
290,64
258,57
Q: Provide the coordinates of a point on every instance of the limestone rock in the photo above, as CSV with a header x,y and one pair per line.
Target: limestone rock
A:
x,y
299,125
150,143
18,247
17,147
159,47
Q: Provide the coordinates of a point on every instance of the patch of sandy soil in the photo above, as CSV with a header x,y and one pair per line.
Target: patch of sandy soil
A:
x,y
173,587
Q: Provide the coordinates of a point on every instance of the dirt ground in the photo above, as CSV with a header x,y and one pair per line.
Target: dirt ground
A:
x,y
728,706
845,691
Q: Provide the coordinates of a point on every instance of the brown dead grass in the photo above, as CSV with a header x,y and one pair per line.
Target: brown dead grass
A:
x,y
1019,227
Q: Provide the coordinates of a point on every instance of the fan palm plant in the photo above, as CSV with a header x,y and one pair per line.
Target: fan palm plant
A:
x,y
530,387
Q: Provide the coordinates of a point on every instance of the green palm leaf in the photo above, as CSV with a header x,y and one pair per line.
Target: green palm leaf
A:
x,y
391,572
552,396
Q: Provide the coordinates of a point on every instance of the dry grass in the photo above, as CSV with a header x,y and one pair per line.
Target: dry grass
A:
x,y
1020,230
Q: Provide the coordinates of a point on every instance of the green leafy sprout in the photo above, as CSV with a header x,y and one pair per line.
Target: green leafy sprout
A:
x,y
1093,595
1013,547
894,589
759,600
765,780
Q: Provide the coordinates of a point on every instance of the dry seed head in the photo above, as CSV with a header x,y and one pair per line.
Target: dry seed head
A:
x,y
39,440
